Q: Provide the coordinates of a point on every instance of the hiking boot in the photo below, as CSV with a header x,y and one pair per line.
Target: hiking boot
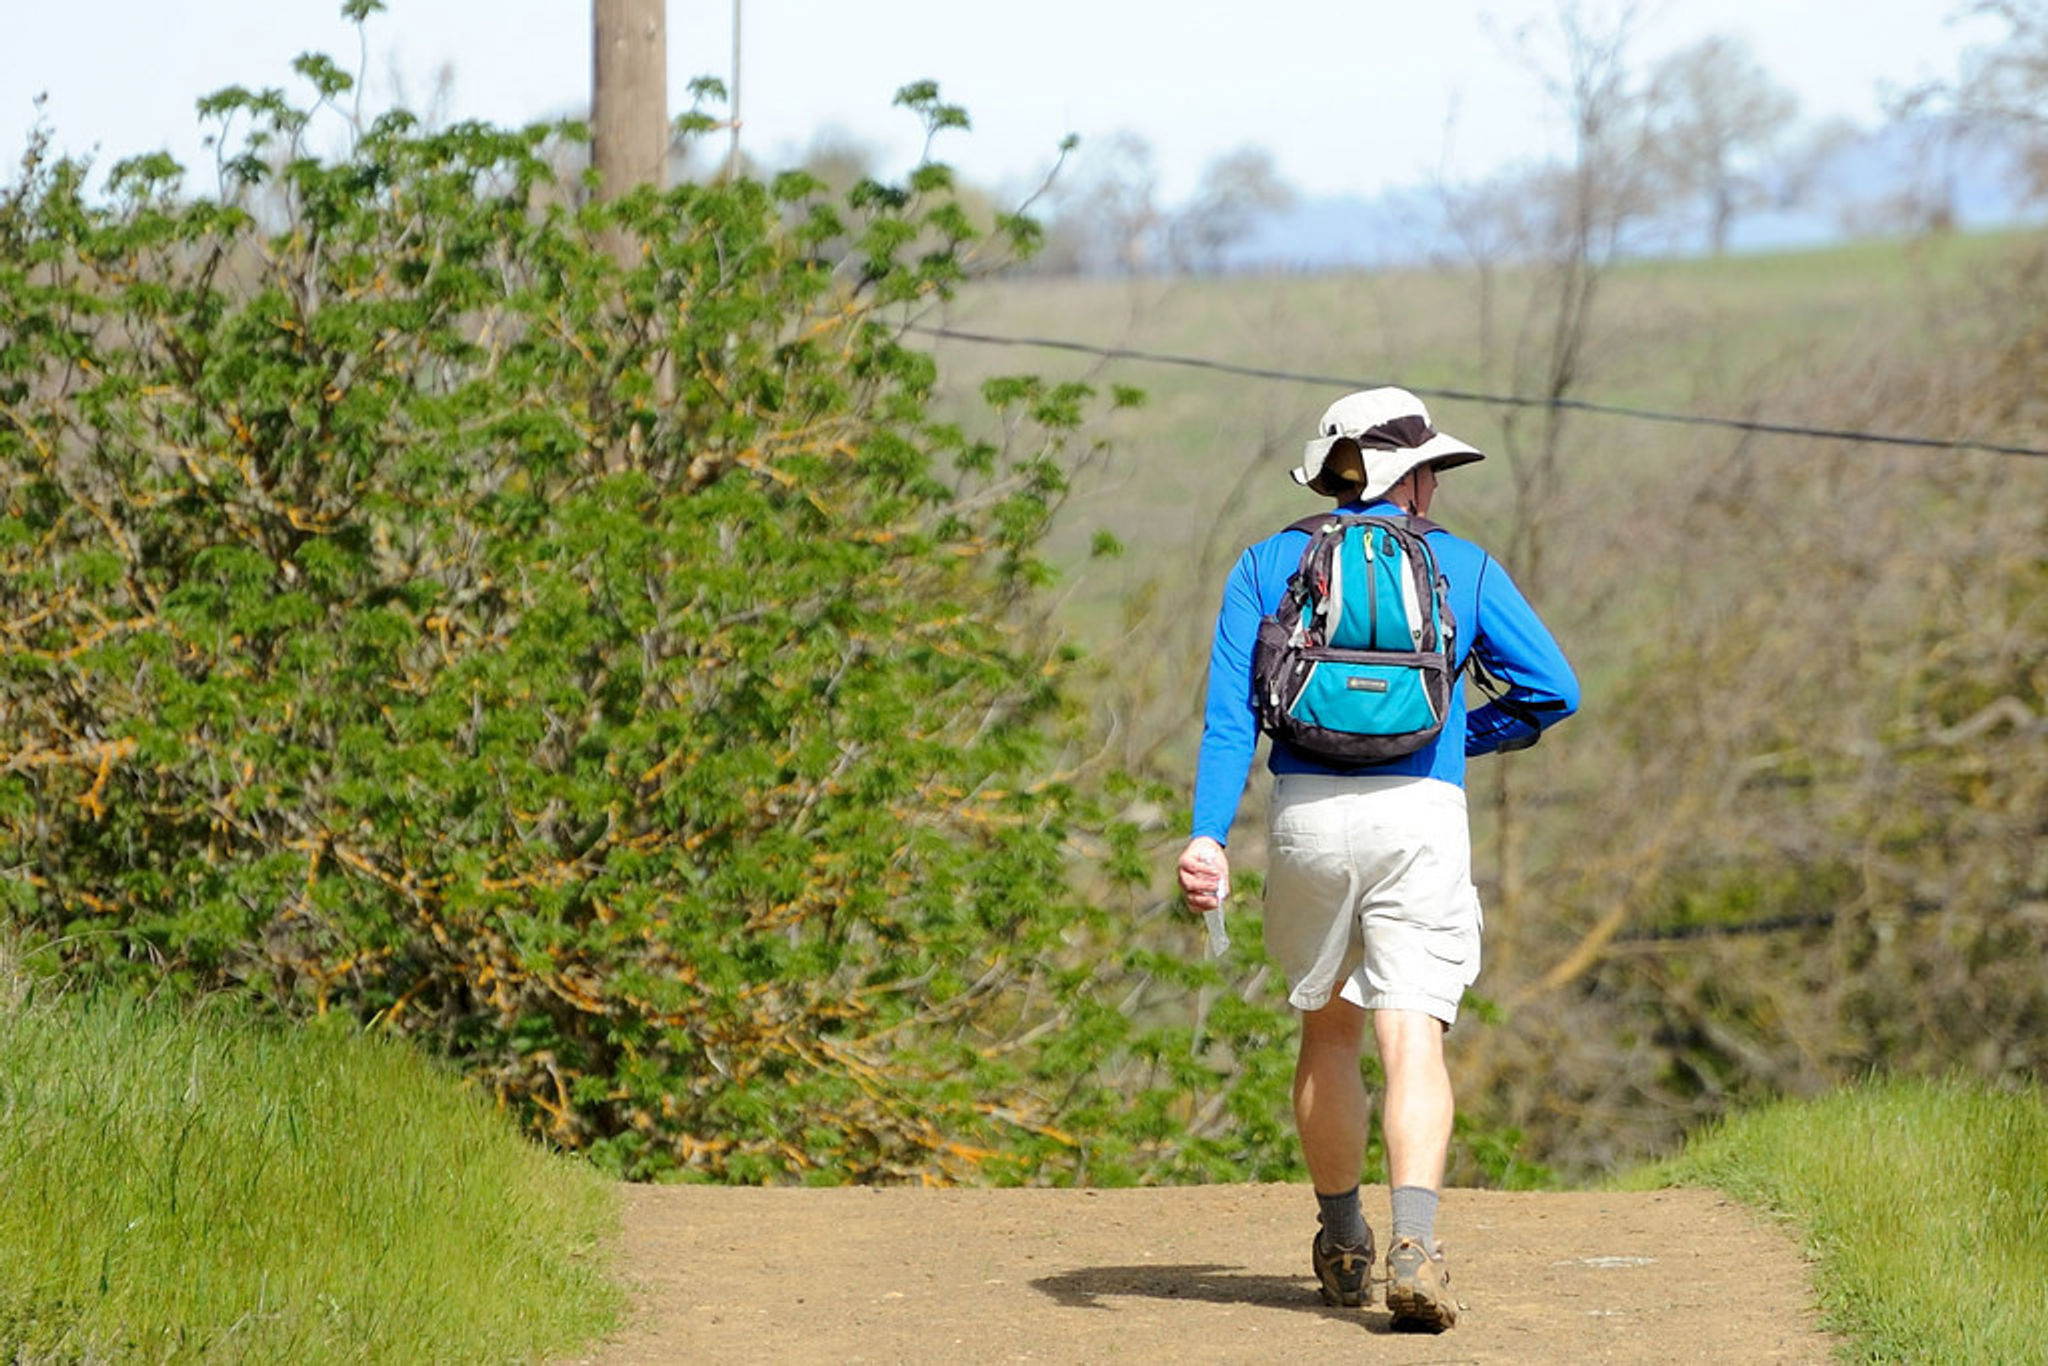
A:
x,y
1343,1274
1419,1289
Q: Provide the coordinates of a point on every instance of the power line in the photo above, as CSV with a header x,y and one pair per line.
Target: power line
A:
x,y
1577,405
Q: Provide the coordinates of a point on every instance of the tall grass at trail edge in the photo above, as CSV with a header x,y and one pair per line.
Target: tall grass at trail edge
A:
x,y
186,1183
1924,1205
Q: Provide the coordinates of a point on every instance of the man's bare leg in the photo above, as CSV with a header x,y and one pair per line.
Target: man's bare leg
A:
x,y
1331,1110
1417,1125
1331,1113
1418,1105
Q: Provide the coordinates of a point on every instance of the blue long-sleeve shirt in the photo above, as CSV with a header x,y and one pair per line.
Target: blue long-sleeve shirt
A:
x,y
1493,618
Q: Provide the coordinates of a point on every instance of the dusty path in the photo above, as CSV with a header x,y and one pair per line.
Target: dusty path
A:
x,y
1212,1273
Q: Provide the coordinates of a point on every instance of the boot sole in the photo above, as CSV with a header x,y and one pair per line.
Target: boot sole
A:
x,y
1416,1310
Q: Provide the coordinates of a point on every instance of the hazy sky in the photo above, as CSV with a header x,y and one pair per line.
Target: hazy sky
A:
x,y
1349,95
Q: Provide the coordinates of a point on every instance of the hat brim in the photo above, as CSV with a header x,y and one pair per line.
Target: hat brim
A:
x,y
1384,468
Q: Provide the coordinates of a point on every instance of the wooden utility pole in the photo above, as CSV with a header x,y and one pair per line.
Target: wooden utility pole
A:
x,y
629,94
629,146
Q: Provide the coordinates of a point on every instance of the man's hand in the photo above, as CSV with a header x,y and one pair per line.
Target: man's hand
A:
x,y
1204,874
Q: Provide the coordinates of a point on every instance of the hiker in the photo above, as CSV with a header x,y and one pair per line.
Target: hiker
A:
x,y
1369,905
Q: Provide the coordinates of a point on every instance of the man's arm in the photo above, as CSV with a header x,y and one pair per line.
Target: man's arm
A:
x,y
1516,648
1229,730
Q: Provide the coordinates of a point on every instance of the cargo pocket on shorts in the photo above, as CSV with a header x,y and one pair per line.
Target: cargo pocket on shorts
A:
x,y
1457,947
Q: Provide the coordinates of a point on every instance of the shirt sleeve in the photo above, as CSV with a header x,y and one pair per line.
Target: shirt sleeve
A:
x,y
1516,648
1229,730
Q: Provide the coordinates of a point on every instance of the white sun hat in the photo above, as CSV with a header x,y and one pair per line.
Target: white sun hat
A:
x,y
1394,435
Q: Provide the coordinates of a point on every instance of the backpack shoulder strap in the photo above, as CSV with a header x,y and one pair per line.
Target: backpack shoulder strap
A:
x,y
1312,525
1414,522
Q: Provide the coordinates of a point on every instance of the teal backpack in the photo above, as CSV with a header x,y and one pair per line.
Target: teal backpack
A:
x,y
1357,664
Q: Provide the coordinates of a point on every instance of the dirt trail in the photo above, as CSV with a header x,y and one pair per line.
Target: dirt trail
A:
x,y
1210,1273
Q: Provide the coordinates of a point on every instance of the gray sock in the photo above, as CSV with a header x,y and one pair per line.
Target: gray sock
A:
x,y
1343,1220
1415,1215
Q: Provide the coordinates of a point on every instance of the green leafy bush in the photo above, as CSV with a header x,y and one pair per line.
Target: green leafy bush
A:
x,y
612,674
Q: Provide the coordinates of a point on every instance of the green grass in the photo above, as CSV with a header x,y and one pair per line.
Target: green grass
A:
x,y
1924,1205
188,1184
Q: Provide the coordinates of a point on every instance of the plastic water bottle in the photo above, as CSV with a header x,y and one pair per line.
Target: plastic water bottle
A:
x,y
1219,937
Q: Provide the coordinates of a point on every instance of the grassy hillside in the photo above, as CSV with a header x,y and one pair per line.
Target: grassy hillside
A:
x,y
1742,337
1774,815
186,1183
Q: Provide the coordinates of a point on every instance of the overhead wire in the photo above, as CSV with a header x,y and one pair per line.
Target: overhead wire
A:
x,y
1578,405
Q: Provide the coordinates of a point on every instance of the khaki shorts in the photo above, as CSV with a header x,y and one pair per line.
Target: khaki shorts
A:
x,y
1370,893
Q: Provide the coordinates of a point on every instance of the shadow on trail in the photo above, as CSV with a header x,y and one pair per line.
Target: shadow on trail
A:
x,y
1213,1283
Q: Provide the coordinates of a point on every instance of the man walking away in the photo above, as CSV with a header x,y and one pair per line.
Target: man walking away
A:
x,y
1370,908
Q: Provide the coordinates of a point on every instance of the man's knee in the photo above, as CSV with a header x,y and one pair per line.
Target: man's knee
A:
x,y
1408,1038
1338,1024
